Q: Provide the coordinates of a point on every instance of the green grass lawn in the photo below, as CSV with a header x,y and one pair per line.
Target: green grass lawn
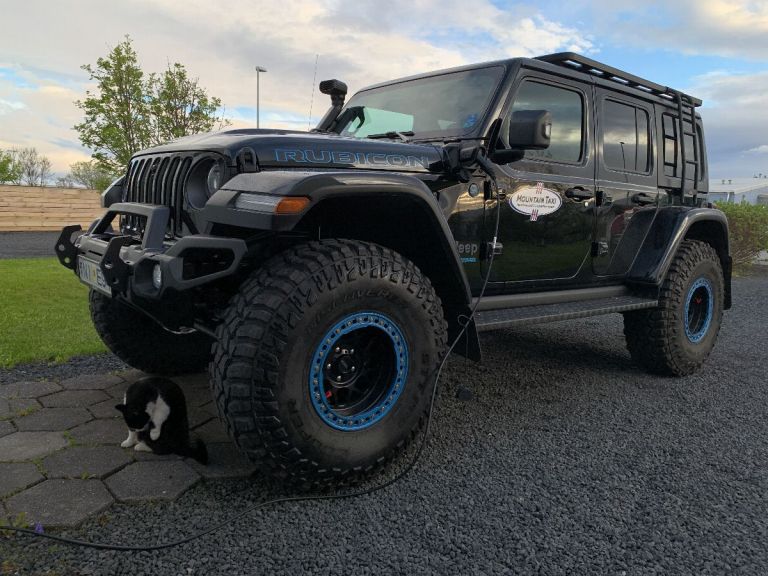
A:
x,y
43,313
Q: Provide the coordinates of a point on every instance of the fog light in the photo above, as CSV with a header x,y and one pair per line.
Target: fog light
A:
x,y
157,277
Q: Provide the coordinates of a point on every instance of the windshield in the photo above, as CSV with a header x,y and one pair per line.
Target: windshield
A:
x,y
438,106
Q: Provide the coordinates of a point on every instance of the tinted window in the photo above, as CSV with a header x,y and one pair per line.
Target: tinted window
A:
x,y
567,109
626,137
447,105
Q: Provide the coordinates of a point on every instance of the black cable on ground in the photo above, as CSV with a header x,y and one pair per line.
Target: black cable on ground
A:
x,y
463,320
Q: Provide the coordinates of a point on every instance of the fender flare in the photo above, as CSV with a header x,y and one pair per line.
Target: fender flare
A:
x,y
671,226
325,186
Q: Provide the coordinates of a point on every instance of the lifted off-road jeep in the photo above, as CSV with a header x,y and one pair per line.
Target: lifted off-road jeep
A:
x,y
320,275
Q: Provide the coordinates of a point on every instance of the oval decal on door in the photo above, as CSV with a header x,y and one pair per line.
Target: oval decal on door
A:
x,y
535,201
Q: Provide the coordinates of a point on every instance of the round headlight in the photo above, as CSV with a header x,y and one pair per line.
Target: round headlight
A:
x,y
215,178
205,178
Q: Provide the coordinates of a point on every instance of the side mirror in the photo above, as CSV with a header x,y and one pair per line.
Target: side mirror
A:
x,y
528,130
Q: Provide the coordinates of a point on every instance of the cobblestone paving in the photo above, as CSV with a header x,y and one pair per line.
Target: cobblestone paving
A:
x,y
60,455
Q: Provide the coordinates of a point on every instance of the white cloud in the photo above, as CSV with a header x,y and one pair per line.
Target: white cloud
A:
x,y
358,42
735,122
7,106
735,28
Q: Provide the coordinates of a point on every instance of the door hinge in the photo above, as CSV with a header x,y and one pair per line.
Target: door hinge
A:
x,y
599,248
495,248
488,192
599,197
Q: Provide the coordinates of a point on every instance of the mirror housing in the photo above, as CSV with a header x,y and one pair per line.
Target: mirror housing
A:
x,y
507,155
528,130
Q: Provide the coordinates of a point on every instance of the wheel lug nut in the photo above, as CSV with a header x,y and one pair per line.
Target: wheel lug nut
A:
x,y
352,351
353,368
338,349
328,366
338,378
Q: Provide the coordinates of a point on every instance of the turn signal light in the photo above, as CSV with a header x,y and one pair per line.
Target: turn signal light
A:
x,y
292,205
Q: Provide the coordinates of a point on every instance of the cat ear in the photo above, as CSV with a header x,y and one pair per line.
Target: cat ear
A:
x,y
120,407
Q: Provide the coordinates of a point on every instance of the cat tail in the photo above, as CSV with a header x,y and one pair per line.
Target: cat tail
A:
x,y
198,451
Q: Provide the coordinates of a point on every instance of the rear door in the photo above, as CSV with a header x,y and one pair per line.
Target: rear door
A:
x,y
627,187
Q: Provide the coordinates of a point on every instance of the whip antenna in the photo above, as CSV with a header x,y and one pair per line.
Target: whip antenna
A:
x,y
312,99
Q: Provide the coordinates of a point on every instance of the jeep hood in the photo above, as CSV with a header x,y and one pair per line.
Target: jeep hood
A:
x,y
288,149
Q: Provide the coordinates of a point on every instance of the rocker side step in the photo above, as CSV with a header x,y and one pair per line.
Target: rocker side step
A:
x,y
506,317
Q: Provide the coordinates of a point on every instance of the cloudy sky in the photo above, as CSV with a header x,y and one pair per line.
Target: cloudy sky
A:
x,y
715,49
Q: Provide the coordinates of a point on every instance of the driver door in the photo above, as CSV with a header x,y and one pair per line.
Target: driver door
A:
x,y
547,213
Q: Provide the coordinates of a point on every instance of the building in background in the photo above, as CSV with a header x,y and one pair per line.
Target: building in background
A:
x,y
751,190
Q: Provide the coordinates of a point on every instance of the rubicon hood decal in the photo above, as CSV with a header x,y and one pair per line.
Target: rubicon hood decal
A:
x,y
358,159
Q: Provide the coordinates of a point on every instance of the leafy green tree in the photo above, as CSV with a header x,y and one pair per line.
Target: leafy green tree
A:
x,y
130,110
179,106
91,175
9,169
748,231
117,114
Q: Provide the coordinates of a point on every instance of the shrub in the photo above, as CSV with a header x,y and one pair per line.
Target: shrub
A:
x,y
748,226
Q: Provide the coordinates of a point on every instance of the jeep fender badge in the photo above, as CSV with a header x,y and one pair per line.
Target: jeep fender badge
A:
x,y
535,201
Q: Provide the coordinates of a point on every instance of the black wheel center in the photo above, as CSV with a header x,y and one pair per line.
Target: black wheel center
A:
x,y
342,368
358,371
698,310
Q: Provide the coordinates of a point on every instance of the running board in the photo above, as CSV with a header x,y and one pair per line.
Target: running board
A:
x,y
507,317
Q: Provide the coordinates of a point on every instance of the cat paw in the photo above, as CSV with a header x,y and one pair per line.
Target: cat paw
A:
x,y
154,433
142,447
132,439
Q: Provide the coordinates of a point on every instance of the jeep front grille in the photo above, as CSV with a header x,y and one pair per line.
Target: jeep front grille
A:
x,y
157,179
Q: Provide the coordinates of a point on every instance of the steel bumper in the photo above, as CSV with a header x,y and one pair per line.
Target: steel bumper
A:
x,y
128,266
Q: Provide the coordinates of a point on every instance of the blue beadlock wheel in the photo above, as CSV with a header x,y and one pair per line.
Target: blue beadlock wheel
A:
x,y
698,310
358,371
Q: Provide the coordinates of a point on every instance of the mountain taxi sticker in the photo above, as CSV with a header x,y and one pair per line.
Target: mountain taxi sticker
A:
x,y
535,201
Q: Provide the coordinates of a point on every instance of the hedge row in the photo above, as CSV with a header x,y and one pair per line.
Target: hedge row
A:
x,y
748,225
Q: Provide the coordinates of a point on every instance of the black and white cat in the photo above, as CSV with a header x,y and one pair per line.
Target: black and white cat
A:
x,y
155,411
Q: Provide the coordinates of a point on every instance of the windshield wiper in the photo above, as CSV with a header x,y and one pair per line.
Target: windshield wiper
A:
x,y
402,135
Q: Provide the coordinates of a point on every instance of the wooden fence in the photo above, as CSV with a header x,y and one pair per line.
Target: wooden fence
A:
x,y
35,209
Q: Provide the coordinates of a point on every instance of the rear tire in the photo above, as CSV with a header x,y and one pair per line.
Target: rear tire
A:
x,y
143,344
677,337
324,363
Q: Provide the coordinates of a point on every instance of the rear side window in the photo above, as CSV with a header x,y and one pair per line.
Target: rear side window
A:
x,y
567,109
626,137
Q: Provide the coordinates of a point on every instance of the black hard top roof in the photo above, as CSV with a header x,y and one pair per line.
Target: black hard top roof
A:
x,y
577,66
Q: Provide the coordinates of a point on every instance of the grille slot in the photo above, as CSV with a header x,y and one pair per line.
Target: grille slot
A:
x,y
158,180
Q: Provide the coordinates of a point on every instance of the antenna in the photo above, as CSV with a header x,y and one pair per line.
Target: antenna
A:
x,y
312,99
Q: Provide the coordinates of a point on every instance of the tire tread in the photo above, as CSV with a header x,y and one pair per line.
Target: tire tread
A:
x,y
254,327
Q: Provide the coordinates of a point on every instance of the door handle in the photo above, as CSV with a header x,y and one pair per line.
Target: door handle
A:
x,y
643,199
579,193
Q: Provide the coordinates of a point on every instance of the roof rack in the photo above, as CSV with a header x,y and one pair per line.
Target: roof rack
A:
x,y
589,66
686,104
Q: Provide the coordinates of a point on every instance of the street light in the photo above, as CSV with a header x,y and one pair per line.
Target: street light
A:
x,y
259,70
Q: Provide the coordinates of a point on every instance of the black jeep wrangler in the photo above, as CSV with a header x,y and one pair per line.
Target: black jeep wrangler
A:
x,y
320,275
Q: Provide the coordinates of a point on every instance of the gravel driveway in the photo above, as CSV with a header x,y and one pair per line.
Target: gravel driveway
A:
x,y
569,460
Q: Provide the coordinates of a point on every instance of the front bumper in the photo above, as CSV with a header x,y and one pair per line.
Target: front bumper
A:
x,y
127,266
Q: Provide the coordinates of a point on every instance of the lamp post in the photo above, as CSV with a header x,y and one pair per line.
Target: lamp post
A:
x,y
259,70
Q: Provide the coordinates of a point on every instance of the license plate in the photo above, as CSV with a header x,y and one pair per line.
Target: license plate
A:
x,y
90,274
